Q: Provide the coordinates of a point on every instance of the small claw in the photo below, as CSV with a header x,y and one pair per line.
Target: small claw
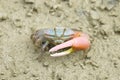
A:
x,y
63,53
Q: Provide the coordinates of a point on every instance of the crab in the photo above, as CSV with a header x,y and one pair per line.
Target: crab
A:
x,y
48,38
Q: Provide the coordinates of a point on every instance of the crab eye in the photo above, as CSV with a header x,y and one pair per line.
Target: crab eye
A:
x,y
37,42
43,42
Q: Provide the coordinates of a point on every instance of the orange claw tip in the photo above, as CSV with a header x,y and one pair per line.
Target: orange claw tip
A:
x,y
81,43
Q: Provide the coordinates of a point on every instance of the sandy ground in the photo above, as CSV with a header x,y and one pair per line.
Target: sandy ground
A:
x,y
19,60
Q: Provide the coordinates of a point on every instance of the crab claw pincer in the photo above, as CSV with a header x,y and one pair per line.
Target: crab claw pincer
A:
x,y
77,43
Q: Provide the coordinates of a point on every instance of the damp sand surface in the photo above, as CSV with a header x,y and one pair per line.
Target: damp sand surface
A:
x,y
19,59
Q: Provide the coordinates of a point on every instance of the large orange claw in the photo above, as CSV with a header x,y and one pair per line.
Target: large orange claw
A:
x,y
77,43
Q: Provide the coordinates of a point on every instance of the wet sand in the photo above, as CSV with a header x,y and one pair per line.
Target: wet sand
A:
x,y
19,59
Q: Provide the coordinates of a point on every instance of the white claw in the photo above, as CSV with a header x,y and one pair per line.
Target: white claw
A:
x,y
59,54
62,53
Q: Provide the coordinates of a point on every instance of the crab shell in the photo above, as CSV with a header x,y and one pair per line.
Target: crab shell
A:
x,y
58,35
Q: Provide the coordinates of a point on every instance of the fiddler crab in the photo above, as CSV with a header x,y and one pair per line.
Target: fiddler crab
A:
x,y
60,38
